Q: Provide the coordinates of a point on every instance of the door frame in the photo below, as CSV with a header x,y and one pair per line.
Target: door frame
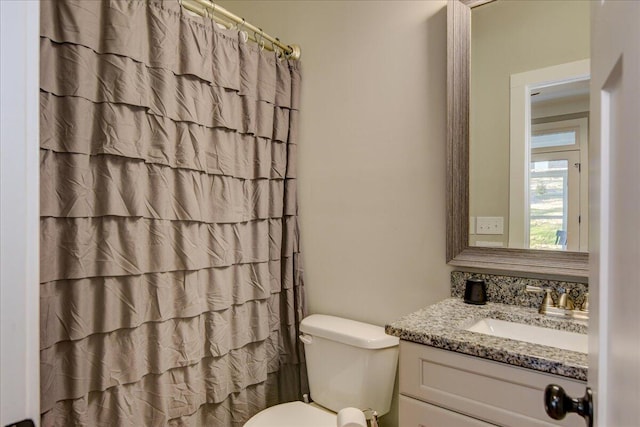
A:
x,y
614,341
19,211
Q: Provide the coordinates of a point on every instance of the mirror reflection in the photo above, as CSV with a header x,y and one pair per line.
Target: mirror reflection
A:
x,y
529,112
558,168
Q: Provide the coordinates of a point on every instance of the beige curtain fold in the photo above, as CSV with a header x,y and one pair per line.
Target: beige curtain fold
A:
x,y
171,283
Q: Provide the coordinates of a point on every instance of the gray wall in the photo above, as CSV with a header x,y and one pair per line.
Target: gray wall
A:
x,y
372,151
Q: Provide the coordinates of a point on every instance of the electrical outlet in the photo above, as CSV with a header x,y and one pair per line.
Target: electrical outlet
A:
x,y
490,225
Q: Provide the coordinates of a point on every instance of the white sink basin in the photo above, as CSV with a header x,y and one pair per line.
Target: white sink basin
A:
x,y
534,334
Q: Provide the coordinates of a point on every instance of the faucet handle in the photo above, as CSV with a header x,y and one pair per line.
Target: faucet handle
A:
x,y
547,302
583,312
565,301
585,304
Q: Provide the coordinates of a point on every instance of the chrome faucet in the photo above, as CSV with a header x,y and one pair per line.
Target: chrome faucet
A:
x,y
565,306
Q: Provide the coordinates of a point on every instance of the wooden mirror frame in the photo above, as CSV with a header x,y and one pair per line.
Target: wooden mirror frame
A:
x,y
573,265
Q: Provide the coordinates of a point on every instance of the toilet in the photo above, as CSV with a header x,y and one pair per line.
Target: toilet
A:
x,y
349,364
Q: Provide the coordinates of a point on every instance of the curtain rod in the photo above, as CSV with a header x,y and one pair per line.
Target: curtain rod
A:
x,y
224,17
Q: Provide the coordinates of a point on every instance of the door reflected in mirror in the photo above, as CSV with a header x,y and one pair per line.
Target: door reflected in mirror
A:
x,y
558,186
529,112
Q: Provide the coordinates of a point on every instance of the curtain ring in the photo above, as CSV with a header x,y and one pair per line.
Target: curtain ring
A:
x,y
279,52
243,34
261,41
276,50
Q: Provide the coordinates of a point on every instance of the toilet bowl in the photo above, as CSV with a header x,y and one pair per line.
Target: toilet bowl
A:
x,y
293,414
349,364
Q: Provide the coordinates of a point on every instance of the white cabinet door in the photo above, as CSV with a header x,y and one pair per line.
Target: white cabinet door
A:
x,y
494,392
614,333
414,413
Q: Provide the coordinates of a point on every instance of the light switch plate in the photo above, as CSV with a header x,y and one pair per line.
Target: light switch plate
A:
x,y
489,225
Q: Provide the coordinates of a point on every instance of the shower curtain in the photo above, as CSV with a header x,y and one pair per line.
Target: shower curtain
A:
x,y
171,284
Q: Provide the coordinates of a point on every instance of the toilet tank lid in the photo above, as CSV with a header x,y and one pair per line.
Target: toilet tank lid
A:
x,y
347,331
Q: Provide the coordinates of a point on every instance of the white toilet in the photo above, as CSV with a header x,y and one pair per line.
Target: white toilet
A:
x,y
349,364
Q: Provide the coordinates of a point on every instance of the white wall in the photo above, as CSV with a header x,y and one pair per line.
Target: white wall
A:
x,y
371,159
19,212
372,151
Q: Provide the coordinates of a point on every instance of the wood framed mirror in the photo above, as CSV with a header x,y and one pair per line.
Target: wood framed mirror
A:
x,y
560,264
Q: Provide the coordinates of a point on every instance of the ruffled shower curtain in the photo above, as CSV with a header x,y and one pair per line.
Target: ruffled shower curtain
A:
x,y
171,287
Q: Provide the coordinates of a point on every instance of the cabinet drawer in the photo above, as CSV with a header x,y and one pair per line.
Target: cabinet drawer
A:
x,y
491,391
414,413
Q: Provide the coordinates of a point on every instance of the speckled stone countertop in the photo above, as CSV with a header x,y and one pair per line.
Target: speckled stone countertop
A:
x,y
442,325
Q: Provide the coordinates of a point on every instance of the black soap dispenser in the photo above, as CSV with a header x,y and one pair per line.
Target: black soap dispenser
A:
x,y
475,292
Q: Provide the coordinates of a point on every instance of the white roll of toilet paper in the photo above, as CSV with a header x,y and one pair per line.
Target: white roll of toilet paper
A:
x,y
351,417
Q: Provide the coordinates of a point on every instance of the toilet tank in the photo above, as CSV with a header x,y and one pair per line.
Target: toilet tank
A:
x,y
349,363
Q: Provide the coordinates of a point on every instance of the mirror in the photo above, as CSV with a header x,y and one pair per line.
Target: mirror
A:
x,y
526,201
519,198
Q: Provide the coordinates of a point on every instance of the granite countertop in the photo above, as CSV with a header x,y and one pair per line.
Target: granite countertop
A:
x,y
442,325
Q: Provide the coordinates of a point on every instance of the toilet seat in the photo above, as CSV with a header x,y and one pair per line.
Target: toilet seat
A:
x,y
293,414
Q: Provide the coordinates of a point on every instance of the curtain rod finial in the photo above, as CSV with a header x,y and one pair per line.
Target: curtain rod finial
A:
x,y
295,52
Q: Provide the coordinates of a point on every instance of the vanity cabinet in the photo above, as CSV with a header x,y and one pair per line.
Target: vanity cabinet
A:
x,y
441,388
